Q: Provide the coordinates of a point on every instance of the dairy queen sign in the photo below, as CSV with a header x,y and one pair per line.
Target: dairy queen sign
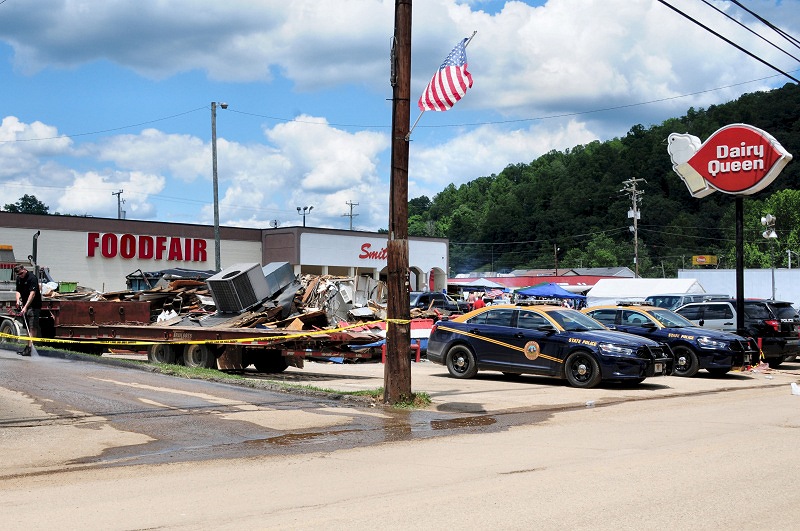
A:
x,y
737,159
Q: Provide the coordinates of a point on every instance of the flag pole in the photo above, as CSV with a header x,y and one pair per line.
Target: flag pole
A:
x,y
470,38
408,136
413,126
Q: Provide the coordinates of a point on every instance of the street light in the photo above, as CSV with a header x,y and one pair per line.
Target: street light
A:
x,y
769,233
305,212
217,257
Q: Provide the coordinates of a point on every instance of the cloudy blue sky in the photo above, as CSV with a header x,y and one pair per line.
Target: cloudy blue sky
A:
x,y
98,96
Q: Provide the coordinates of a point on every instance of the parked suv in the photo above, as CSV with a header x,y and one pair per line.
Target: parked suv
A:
x,y
670,301
773,323
438,300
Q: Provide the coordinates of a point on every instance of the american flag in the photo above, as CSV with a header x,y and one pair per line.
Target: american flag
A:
x,y
449,83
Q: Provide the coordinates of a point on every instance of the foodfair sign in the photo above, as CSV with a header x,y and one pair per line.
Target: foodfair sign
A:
x,y
143,247
737,159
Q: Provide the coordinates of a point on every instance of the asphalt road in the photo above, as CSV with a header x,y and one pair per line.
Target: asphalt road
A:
x,y
87,445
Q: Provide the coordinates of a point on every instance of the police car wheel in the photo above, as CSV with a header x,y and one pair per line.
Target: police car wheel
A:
x,y
582,370
686,363
461,362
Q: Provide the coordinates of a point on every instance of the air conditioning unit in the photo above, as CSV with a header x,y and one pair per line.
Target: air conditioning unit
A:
x,y
238,288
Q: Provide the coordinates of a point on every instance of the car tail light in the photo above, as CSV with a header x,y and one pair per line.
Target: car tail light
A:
x,y
433,328
776,325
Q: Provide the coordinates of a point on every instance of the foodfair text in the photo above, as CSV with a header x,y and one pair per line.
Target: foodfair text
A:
x,y
129,246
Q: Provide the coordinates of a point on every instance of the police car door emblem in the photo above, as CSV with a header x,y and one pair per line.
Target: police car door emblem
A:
x,y
531,350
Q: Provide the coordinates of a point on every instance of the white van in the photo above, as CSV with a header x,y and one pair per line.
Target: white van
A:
x,y
671,301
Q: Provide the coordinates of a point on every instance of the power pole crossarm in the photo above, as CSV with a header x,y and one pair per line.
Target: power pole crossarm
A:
x,y
350,215
119,203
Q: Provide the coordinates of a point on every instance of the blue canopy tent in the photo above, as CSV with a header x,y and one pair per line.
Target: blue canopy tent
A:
x,y
549,291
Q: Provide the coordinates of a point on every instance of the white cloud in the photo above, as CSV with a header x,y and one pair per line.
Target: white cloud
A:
x,y
312,60
92,193
486,150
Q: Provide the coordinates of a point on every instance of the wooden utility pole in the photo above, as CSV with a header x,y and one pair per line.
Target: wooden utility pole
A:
x,y
630,188
397,371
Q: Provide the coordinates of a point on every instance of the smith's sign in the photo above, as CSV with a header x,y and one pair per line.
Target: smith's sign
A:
x,y
737,159
368,254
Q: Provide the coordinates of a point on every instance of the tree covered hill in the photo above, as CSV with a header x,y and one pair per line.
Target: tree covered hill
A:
x,y
568,206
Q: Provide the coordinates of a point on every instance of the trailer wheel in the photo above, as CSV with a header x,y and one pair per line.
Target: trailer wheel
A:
x,y
202,356
270,361
161,353
8,327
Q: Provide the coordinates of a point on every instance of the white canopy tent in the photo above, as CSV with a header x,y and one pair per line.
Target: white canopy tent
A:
x,y
613,290
477,284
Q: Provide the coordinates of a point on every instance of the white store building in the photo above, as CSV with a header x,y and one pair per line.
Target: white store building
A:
x,y
99,253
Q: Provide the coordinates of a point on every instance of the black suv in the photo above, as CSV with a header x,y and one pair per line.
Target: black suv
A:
x,y
774,324
436,299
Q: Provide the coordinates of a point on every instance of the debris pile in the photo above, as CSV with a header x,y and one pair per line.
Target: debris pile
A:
x,y
303,302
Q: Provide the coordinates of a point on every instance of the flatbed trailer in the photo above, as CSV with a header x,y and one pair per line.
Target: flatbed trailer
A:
x,y
207,341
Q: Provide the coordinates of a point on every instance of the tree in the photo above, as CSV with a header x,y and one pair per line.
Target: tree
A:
x,y
27,204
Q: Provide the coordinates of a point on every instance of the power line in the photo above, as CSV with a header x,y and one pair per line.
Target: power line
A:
x,y
754,56
729,17
103,130
369,126
774,28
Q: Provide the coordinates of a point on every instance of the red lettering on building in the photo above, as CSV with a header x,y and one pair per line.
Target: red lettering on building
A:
x,y
368,254
145,247
175,249
161,246
200,251
108,245
131,246
127,246
92,243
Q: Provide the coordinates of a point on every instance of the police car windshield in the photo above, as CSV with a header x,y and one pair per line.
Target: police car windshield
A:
x,y
671,319
574,321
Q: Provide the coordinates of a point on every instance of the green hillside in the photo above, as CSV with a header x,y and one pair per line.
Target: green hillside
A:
x,y
568,205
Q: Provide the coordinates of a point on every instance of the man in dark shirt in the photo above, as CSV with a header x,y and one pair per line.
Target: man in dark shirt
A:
x,y
29,298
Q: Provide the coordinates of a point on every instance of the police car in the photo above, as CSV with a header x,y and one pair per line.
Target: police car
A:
x,y
695,348
545,340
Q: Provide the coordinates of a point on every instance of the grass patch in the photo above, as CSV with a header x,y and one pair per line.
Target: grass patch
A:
x,y
417,401
375,394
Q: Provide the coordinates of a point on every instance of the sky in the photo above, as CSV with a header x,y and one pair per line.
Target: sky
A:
x,y
103,96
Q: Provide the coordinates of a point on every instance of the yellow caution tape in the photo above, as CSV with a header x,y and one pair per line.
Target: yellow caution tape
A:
x,y
255,339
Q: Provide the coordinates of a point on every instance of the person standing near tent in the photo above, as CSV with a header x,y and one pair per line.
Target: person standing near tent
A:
x,y
29,299
479,302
